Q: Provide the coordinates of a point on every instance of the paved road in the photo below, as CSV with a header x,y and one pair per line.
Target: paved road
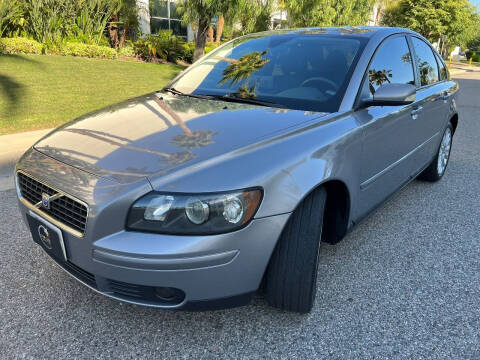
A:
x,y
404,284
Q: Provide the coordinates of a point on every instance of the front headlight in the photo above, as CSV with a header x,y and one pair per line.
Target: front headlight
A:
x,y
194,214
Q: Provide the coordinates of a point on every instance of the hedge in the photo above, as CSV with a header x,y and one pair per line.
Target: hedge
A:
x,y
86,50
20,46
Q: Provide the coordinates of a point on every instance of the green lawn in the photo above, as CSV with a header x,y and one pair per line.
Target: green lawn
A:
x,y
39,92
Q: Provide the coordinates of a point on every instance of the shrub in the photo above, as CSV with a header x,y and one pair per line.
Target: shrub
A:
x,y
10,16
476,58
164,45
469,54
188,50
211,46
126,51
144,48
53,21
20,46
86,50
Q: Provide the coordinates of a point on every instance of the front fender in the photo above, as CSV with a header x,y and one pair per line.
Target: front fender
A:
x,y
287,166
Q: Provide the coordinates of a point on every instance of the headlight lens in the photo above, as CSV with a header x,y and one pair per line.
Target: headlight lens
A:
x,y
194,214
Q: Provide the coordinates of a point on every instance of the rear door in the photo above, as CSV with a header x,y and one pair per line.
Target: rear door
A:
x,y
432,100
389,131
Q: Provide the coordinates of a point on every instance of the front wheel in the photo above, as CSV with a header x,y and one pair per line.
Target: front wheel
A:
x,y
436,169
291,278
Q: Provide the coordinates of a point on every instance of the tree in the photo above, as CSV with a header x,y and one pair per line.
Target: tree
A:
x,y
305,13
220,23
251,15
10,15
474,44
201,13
458,20
124,19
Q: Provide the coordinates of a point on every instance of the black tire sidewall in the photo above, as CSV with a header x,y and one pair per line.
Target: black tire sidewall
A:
x,y
449,126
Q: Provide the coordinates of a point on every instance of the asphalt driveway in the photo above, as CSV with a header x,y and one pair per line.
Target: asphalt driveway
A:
x,y
404,284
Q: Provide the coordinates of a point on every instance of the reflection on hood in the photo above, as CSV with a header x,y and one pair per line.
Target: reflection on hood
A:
x,y
159,133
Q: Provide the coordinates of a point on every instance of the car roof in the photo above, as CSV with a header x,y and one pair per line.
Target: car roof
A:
x,y
360,31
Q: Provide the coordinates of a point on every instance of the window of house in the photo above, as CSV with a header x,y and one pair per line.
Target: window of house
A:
x,y
164,16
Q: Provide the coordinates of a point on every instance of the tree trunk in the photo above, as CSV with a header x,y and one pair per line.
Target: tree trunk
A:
x,y
378,16
123,38
210,34
113,30
221,22
174,115
201,40
194,29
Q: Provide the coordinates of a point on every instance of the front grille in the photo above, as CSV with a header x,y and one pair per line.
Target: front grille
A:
x,y
144,293
81,274
65,209
125,289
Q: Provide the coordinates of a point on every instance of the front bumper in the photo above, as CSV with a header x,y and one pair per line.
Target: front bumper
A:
x,y
214,271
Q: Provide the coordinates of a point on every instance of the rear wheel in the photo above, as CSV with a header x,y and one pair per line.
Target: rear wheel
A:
x,y
436,169
291,278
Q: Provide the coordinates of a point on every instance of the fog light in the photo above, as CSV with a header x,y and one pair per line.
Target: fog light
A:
x,y
166,293
233,209
197,211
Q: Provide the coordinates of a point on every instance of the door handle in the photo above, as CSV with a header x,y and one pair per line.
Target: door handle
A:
x,y
415,112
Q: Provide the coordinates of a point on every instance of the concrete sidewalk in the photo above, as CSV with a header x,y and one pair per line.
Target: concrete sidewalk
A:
x,y
459,68
11,148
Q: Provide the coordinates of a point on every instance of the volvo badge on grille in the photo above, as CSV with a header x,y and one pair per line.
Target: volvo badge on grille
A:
x,y
46,201
45,236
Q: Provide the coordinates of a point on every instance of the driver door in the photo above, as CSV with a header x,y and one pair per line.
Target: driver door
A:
x,y
389,131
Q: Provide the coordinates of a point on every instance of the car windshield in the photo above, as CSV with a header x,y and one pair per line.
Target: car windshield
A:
x,y
297,71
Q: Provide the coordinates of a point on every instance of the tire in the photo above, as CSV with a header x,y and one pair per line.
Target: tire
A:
x,y
437,167
291,277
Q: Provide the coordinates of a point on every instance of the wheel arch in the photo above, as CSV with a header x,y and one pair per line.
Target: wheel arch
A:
x,y
454,121
337,209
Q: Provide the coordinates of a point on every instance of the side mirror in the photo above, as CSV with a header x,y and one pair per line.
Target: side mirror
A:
x,y
393,95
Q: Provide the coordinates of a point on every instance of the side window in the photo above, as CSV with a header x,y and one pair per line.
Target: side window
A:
x,y
392,64
427,65
443,69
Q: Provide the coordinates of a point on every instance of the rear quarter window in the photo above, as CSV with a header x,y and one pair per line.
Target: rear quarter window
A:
x,y
442,68
426,63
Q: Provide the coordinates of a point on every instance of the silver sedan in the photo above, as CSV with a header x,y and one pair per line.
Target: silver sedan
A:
x,y
228,180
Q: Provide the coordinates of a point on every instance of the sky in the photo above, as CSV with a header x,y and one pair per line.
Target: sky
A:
x,y
476,2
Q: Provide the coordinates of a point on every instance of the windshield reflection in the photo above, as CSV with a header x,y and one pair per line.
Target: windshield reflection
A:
x,y
302,71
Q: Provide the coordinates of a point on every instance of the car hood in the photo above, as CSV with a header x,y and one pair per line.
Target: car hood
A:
x,y
156,134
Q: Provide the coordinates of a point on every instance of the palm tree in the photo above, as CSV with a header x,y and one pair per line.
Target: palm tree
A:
x,y
244,67
189,139
197,139
201,12
171,159
220,24
378,77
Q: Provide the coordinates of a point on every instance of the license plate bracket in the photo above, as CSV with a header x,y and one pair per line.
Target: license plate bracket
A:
x,y
48,236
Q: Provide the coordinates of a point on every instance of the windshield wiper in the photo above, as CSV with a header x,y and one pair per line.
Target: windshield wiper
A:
x,y
228,97
233,98
178,92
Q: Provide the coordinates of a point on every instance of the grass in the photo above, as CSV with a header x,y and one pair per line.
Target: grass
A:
x,y
38,92
473,63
